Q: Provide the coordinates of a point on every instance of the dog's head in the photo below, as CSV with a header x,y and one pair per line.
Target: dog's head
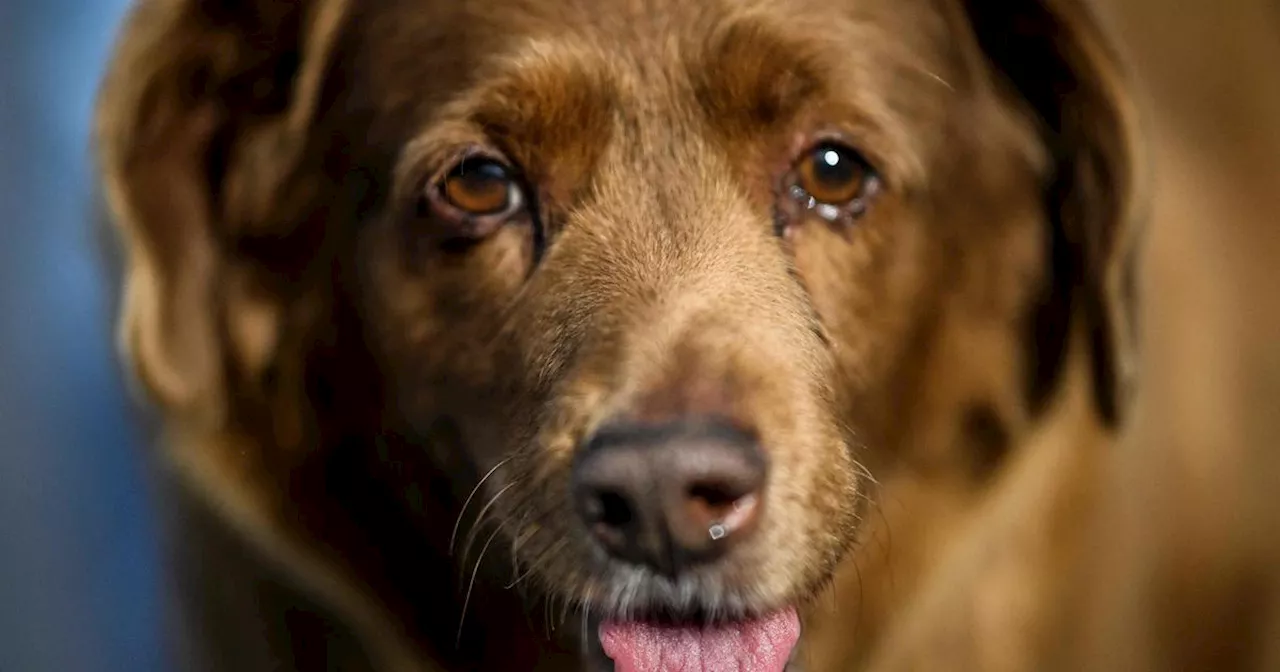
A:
x,y
661,275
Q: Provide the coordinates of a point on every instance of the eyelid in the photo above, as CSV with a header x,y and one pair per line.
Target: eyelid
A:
x,y
514,186
428,159
438,217
796,203
869,173
865,142
516,201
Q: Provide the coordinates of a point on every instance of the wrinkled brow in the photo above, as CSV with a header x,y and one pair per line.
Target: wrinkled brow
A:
x,y
760,73
748,75
549,104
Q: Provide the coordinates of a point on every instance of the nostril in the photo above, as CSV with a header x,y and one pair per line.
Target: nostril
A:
x,y
714,496
720,509
611,509
670,497
612,517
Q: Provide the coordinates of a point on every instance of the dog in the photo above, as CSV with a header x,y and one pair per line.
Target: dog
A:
x,y
621,334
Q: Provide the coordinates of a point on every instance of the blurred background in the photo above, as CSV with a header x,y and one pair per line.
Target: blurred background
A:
x,y
79,579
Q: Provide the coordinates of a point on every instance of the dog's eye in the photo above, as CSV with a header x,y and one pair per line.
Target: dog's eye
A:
x,y
833,174
481,187
475,198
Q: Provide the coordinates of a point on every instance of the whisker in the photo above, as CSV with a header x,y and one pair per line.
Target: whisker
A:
x,y
935,77
466,602
475,528
461,512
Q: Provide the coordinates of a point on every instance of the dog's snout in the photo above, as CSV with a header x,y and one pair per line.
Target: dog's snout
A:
x,y
670,496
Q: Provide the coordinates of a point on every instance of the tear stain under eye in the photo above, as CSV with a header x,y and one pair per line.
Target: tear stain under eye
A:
x,y
824,210
832,213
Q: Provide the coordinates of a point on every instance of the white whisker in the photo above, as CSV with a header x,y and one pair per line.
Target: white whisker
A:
x,y
466,602
461,512
475,528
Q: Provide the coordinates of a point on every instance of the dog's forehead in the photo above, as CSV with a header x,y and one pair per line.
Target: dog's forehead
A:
x,y
422,55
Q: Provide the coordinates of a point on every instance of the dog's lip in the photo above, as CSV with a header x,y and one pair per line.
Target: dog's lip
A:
x,y
761,644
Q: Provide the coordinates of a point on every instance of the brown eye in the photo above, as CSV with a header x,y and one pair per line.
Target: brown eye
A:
x,y
481,186
833,174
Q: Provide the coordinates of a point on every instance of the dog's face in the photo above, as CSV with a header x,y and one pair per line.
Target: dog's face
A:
x,y
666,275
638,236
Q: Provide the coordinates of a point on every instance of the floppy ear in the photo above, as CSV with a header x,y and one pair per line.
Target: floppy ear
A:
x,y
201,130
1054,58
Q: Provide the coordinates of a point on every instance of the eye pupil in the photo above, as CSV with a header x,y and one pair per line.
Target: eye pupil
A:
x,y
833,169
478,187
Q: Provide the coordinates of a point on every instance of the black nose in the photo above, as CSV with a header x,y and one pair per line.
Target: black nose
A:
x,y
669,496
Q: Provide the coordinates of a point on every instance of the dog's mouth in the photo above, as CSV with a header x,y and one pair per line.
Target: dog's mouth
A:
x,y
760,644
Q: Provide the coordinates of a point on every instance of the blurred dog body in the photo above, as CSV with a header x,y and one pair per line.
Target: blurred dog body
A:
x,y
1158,551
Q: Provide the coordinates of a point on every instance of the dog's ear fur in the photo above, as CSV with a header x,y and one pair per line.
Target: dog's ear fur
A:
x,y
201,127
1056,62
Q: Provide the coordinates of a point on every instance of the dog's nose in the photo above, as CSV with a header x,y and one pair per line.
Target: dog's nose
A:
x,y
669,496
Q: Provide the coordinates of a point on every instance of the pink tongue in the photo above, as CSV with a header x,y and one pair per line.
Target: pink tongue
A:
x,y
754,646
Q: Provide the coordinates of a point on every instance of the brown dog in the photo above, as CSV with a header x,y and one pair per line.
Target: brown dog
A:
x,y
490,333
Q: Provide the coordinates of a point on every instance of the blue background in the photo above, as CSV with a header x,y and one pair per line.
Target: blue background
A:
x,y
79,572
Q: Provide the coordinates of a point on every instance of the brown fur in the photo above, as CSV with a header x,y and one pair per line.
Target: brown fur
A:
x,y
337,377
1156,552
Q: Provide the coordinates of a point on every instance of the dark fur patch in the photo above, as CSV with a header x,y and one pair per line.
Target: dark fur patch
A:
x,y
989,438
